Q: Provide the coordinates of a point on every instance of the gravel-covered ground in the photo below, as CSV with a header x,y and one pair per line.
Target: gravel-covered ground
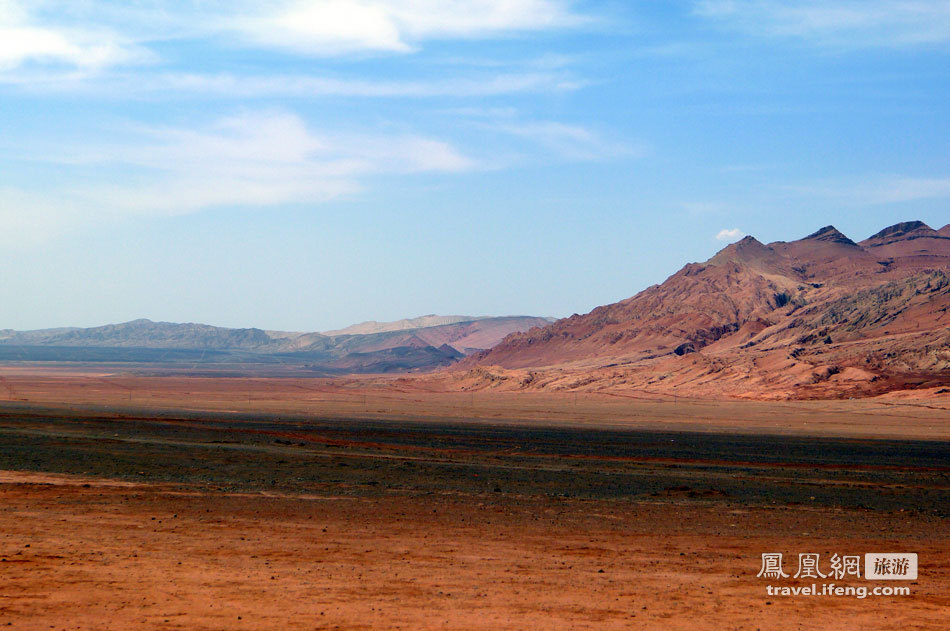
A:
x,y
203,520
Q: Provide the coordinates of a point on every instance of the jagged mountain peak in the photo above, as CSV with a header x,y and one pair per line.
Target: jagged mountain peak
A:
x,y
831,234
746,249
903,231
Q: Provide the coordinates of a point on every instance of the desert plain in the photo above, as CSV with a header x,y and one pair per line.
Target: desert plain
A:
x,y
177,502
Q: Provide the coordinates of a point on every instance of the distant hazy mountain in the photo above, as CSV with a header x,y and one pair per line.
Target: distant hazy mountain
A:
x,y
372,326
144,334
433,341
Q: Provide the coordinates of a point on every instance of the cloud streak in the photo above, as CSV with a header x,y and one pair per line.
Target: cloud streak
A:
x,y
396,26
880,190
83,35
257,159
571,142
232,86
837,23
108,48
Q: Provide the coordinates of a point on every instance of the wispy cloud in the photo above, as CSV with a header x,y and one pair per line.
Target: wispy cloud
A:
x,y
729,234
341,26
882,189
319,86
84,35
256,159
566,141
840,23
89,47
228,85
116,48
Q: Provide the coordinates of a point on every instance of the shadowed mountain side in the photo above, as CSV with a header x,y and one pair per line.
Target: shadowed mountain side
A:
x,y
819,317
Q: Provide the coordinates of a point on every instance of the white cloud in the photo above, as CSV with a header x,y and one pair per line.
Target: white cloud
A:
x,y
95,35
339,26
729,234
844,23
256,159
65,45
22,41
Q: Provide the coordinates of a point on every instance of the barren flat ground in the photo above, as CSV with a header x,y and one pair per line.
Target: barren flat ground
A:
x,y
130,389
232,503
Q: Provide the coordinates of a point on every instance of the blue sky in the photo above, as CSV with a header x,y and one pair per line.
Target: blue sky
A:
x,y
306,165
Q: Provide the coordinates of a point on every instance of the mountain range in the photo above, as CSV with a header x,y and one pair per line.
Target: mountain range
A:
x,y
406,345
822,316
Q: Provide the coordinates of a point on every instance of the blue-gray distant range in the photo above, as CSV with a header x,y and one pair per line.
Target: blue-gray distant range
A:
x,y
409,345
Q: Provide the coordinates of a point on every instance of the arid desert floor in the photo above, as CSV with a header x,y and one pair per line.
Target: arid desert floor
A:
x,y
223,503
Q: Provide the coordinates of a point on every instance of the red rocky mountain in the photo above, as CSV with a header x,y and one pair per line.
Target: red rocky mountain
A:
x,y
822,316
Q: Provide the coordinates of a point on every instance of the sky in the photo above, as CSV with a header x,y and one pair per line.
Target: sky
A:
x,y
305,165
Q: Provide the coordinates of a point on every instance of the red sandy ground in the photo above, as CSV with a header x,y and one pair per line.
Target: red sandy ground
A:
x,y
99,554
896,415
118,556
